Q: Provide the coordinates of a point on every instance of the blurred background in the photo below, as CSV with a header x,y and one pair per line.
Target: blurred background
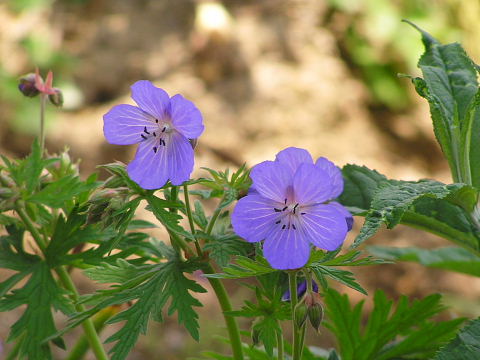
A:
x,y
266,74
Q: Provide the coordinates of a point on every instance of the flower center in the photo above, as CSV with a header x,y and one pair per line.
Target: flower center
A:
x,y
289,215
160,131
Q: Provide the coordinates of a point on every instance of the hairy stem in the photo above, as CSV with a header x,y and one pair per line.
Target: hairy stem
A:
x,y
67,282
226,306
81,347
190,218
292,280
43,100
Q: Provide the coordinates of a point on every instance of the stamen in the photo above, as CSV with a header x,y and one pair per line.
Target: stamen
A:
x,y
154,134
143,136
162,142
277,210
285,208
283,227
156,120
164,128
155,149
278,222
302,213
145,130
294,208
293,226
285,202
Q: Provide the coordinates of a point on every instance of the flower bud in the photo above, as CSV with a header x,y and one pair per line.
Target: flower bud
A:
x,y
27,85
314,310
300,314
56,98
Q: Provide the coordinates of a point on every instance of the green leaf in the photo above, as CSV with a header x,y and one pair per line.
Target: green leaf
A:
x,y
41,293
121,178
244,267
447,258
222,248
343,276
393,199
152,286
169,219
360,184
405,332
465,346
57,193
12,253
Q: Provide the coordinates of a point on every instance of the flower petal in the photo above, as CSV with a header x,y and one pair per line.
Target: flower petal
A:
x,y
174,162
186,118
286,249
293,157
311,185
345,212
324,226
253,217
123,124
336,178
151,99
271,180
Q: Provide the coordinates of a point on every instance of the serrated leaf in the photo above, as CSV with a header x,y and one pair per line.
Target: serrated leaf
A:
x,y
41,293
222,248
360,183
405,332
447,258
119,169
244,267
393,199
169,219
465,346
343,276
56,193
12,254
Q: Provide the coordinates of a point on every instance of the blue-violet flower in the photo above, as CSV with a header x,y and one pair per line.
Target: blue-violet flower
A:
x,y
162,126
288,207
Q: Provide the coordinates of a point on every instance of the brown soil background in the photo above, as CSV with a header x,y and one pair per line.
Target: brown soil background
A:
x,y
273,77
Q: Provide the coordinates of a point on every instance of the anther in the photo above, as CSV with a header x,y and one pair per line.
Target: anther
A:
x,y
302,213
154,134
278,222
155,149
283,227
294,208
293,226
145,130
285,202
156,120
164,128
143,136
277,210
162,142
285,208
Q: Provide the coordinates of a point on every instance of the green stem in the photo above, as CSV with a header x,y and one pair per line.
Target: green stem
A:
x,y
308,278
43,99
292,280
214,218
436,227
67,283
12,355
42,244
81,347
226,306
190,218
87,325
280,355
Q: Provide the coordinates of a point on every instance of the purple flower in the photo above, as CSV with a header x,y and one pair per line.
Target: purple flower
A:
x,y
288,208
301,290
162,126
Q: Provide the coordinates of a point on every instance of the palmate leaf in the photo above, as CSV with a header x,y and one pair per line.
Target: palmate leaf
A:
x,y
41,293
244,267
405,331
447,258
150,287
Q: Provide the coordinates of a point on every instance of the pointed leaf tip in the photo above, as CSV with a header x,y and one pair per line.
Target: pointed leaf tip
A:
x,y
427,39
